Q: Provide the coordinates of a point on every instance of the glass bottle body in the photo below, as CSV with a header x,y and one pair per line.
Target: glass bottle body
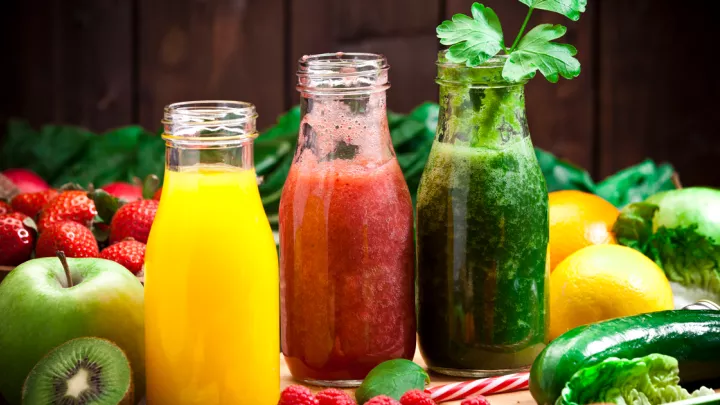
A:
x,y
482,230
346,238
211,288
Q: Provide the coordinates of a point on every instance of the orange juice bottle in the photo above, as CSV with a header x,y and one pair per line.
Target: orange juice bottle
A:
x,y
211,268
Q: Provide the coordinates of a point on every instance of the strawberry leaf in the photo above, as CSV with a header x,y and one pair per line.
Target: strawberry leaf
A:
x,y
29,223
101,233
71,187
106,204
150,186
536,51
8,189
474,40
569,8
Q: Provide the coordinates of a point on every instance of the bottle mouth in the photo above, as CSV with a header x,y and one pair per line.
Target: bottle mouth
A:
x,y
209,121
343,72
497,61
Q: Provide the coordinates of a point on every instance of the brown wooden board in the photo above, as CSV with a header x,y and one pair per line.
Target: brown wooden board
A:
x,y
561,116
402,30
659,88
70,62
200,50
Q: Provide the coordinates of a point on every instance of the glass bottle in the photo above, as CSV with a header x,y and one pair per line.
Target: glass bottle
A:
x,y
482,229
346,228
211,283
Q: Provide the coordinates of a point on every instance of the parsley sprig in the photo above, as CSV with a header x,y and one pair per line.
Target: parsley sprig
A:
x,y
475,40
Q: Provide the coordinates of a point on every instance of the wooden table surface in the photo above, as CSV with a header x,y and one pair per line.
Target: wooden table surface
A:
x,y
511,398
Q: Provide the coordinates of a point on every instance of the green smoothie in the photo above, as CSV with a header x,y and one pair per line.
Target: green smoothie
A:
x,y
482,234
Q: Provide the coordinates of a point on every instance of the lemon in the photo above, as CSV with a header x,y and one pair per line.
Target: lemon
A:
x,y
577,220
602,282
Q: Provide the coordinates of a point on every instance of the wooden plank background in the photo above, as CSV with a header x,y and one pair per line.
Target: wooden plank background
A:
x,y
648,87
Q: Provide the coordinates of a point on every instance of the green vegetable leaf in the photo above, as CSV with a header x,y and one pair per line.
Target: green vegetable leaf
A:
x,y
636,183
569,8
392,378
649,380
474,40
679,231
563,175
536,52
634,226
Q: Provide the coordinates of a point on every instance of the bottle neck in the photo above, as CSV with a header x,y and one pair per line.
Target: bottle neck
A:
x,y
481,115
345,127
238,156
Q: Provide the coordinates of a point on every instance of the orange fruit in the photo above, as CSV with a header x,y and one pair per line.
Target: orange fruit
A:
x,y
602,282
577,220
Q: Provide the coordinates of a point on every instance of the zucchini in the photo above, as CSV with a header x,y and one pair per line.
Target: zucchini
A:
x,y
692,337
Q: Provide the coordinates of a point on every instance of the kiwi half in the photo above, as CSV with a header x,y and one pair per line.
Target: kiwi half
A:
x,y
84,371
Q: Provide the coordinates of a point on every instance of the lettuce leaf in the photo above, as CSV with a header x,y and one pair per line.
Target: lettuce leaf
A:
x,y
678,230
649,380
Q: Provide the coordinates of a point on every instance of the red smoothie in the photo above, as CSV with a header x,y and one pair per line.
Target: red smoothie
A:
x,y
347,268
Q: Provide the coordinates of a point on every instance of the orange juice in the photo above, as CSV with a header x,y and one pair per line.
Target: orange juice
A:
x,y
211,292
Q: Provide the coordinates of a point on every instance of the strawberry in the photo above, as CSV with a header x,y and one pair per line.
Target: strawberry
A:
x,y
31,204
16,239
130,253
68,206
133,220
70,237
157,194
124,191
5,208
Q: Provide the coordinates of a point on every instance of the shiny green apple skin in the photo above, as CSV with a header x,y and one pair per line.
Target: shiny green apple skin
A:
x,y
38,313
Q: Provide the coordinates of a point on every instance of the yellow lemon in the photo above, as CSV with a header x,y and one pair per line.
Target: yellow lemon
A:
x,y
578,219
602,282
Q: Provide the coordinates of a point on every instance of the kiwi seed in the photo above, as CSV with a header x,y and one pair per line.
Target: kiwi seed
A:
x,y
84,371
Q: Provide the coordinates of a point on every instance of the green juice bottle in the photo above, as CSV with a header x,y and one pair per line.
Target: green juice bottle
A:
x,y
482,229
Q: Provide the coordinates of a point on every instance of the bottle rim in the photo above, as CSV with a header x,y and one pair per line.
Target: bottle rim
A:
x,y
344,73
495,62
209,121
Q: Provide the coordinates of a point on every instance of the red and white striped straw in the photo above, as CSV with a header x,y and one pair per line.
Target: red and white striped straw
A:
x,y
483,386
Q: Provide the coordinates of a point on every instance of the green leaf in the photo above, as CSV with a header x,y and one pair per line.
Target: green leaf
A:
x,y
474,40
536,52
634,226
649,380
106,204
636,183
392,378
569,8
149,186
563,175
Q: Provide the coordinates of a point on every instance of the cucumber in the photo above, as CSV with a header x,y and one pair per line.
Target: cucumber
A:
x,y
692,337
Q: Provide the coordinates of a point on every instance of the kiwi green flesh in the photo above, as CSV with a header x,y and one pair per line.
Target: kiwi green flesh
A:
x,y
84,371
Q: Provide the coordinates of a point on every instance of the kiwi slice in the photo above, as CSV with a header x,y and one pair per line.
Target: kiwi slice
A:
x,y
81,371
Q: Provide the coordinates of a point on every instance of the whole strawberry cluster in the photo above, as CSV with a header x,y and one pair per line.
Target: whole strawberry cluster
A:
x,y
299,395
40,223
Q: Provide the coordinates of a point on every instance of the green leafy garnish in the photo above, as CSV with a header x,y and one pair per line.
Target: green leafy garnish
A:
x,y
569,8
392,378
536,51
476,40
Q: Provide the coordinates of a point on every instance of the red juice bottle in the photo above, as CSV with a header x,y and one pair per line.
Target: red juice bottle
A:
x,y
347,254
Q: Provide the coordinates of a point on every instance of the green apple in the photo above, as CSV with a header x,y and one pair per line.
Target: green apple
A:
x,y
39,310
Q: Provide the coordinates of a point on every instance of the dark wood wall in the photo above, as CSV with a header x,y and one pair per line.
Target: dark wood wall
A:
x,y
649,86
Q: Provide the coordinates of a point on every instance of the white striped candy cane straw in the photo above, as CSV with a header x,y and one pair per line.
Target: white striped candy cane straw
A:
x,y
484,386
